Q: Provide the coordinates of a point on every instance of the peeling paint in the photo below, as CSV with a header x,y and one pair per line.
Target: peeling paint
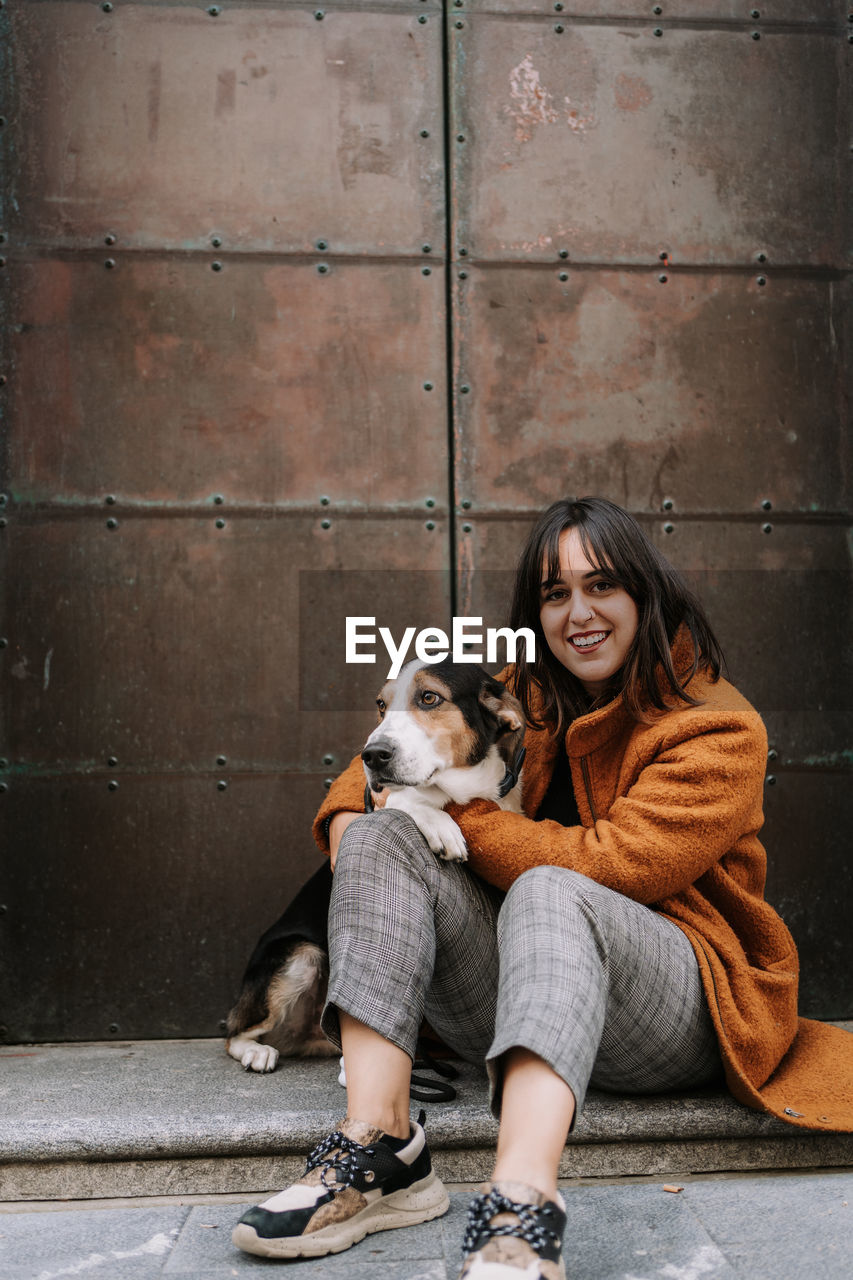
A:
x,y
541,242
576,122
531,102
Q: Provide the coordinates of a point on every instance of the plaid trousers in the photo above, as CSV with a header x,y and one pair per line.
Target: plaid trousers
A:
x,y
605,990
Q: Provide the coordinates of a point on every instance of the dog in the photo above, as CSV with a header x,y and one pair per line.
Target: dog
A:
x,y
447,732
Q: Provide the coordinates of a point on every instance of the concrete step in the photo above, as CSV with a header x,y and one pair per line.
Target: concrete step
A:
x,y
178,1117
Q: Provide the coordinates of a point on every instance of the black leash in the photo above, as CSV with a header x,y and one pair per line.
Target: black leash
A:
x,y
426,1090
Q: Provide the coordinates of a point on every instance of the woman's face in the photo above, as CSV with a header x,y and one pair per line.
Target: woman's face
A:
x,y
589,623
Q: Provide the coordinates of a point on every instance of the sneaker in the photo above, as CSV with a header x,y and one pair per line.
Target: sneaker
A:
x,y
514,1233
356,1180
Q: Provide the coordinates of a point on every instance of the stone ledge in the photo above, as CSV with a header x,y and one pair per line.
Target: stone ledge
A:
x,y
180,1117
258,1175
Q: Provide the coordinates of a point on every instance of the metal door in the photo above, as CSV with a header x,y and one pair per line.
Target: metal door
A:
x,y
306,314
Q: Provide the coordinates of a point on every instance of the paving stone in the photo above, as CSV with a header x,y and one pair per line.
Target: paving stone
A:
x,y
182,1098
743,1228
781,1228
206,1242
425,1270
114,1244
638,1233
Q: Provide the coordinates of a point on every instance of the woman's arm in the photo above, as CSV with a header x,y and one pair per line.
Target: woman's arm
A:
x,y
687,807
346,795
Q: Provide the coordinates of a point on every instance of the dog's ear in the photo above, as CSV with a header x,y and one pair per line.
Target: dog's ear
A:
x,y
507,708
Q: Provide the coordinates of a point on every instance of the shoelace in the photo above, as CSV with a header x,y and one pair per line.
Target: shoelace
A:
x,y
529,1226
341,1162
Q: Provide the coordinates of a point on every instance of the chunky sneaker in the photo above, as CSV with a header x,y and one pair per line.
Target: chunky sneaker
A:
x,y
356,1180
514,1233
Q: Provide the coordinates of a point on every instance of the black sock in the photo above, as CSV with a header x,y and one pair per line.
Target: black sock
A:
x,y
396,1144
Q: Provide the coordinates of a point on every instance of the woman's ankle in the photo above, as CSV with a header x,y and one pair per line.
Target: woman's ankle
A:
x,y
525,1174
391,1120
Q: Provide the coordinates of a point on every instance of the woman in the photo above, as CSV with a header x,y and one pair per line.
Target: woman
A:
x,y
614,933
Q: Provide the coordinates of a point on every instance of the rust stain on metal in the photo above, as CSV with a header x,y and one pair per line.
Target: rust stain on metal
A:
x,y
262,354
612,382
667,149
134,123
631,93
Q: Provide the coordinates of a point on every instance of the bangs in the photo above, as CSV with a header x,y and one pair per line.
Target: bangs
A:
x,y
602,559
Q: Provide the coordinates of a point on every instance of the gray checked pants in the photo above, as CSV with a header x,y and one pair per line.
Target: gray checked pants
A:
x,y
605,990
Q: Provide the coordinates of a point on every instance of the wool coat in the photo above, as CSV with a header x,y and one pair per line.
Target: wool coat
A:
x,y
670,813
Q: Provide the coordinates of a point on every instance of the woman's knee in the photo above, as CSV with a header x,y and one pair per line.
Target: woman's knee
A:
x,y
386,833
552,887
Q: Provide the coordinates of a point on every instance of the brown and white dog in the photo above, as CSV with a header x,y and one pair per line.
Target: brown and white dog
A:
x,y
447,732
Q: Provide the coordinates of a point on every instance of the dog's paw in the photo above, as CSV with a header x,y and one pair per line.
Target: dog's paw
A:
x,y
443,835
260,1057
437,827
454,855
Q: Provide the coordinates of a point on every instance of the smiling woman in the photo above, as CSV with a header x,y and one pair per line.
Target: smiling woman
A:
x,y
588,620
590,584
613,933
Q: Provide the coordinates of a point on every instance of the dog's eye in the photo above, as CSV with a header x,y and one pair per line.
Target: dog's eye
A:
x,y
381,706
430,699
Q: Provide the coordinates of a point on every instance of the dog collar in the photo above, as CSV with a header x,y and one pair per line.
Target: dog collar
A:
x,y
510,777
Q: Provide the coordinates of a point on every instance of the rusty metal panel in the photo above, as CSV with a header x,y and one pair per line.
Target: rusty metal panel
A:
x,y
159,125
165,382
131,912
712,390
808,818
217,454
611,145
164,644
826,12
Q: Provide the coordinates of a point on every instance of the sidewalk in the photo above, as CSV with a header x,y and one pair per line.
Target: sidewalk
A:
x,y
133,1160
796,1226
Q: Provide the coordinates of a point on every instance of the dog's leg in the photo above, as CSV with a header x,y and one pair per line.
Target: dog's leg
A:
x,y
437,827
293,1001
250,1054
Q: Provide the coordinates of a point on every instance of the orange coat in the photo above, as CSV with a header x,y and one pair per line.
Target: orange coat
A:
x,y
670,815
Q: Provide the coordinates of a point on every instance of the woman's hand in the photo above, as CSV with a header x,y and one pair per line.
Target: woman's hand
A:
x,y
341,821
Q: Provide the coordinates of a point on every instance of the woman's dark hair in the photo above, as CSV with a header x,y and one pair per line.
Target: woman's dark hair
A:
x,y
612,540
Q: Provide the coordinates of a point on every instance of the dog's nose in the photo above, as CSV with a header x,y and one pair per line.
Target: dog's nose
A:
x,y
377,754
